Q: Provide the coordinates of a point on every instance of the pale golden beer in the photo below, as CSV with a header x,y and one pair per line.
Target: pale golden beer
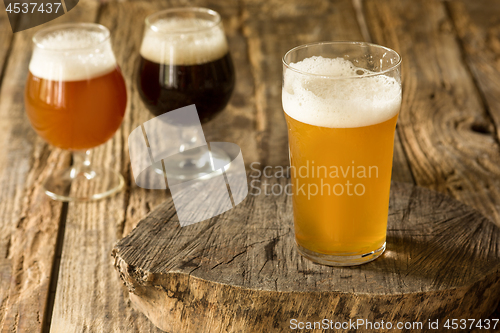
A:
x,y
341,118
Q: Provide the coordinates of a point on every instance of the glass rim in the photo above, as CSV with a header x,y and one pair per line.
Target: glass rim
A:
x,y
103,29
150,25
336,77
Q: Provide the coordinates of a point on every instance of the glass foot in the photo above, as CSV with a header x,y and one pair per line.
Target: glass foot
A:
x,y
340,260
193,164
88,185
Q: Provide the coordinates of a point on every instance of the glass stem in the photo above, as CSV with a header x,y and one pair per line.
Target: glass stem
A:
x,y
189,138
81,164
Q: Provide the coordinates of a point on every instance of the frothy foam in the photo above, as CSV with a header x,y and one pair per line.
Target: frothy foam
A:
x,y
337,102
72,55
184,41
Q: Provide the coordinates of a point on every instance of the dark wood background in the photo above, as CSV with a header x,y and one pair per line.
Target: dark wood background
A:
x,y
56,272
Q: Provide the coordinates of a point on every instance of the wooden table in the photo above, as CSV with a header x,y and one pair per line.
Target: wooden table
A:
x,y
56,272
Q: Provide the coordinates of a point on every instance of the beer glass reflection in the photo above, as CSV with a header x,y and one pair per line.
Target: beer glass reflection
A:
x,y
341,102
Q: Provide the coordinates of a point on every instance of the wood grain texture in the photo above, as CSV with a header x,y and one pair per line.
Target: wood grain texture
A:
x,y
29,220
242,121
83,303
271,29
478,27
442,108
240,271
235,124
88,296
448,131
6,37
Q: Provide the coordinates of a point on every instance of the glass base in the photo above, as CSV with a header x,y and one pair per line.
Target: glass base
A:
x,y
88,185
340,260
198,165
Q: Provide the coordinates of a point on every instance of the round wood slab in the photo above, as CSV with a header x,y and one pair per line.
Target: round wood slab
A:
x,y
240,271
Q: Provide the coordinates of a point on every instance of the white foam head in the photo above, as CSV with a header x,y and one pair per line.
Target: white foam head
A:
x,y
184,41
331,101
72,54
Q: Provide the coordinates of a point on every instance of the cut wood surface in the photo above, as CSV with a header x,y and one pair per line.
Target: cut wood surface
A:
x,y
240,271
447,138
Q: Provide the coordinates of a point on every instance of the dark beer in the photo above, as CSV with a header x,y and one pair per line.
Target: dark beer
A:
x,y
168,87
184,60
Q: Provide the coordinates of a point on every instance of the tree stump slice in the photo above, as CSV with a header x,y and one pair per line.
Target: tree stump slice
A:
x,y
240,271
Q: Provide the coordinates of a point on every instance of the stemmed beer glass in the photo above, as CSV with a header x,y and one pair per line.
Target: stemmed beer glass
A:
x,y
185,60
75,99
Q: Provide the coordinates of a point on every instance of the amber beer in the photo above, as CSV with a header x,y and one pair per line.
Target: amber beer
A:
x,y
76,115
341,121
184,61
75,97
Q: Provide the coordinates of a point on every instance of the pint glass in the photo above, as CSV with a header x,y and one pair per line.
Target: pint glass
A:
x,y
341,102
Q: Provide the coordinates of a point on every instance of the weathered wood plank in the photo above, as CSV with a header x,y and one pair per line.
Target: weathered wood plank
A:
x,y
258,87
238,121
89,295
478,26
241,272
235,124
29,220
6,37
273,28
441,108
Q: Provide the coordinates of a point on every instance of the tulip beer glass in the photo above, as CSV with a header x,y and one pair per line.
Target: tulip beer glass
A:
x,y
185,60
75,99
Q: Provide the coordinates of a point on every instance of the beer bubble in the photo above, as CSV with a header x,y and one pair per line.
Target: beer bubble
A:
x,y
70,39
